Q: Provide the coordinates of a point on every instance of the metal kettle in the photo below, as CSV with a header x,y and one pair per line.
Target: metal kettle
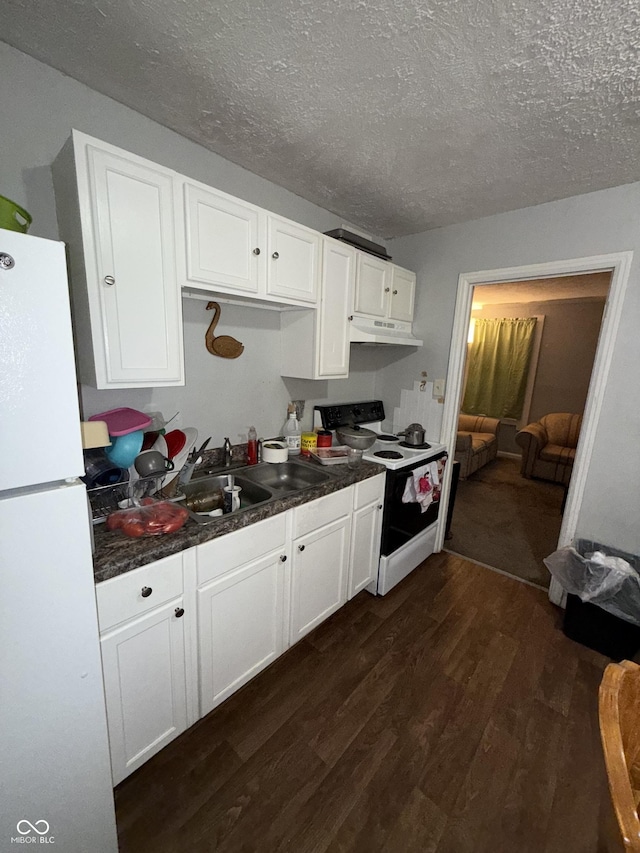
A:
x,y
413,434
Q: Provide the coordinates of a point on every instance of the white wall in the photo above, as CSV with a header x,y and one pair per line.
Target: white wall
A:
x,y
597,223
39,107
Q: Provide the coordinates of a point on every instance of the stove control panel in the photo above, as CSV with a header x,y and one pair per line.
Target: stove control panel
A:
x,y
348,414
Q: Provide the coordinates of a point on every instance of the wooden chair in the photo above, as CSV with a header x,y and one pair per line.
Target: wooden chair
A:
x,y
619,712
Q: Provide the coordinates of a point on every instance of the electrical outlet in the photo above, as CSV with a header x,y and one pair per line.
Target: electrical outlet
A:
x,y
438,388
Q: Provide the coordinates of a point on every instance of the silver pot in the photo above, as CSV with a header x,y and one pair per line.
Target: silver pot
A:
x,y
356,436
413,434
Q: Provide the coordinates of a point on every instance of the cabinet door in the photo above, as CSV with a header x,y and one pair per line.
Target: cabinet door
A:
x,y
145,686
319,576
403,289
336,304
137,311
293,260
365,547
373,283
225,241
241,627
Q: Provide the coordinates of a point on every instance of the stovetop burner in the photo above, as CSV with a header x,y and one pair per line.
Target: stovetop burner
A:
x,y
389,438
424,446
388,454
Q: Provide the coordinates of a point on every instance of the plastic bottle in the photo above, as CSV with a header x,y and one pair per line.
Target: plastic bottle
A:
x,y
252,446
292,432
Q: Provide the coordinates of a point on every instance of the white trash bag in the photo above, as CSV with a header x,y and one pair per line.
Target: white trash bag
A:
x,y
600,575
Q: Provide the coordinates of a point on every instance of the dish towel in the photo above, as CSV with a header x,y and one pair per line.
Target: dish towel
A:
x,y
422,486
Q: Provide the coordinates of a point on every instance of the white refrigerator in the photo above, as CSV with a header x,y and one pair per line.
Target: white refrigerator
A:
x,y
55,776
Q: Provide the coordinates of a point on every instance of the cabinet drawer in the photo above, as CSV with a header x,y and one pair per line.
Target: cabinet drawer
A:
x,y
368,491
122,598
322,511
219,556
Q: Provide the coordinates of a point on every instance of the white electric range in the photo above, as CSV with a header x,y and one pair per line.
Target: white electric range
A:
x,y
408,532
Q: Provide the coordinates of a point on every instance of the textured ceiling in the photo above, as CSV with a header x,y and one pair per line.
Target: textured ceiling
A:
x,y
398,115
587,286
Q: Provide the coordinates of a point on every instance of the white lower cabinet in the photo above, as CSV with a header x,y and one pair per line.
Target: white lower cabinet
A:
x,y
319,570
366,532
255,591
241,621
146,620
145,686
242,578
320,560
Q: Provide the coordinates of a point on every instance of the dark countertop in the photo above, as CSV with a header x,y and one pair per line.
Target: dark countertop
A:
x,y
116,554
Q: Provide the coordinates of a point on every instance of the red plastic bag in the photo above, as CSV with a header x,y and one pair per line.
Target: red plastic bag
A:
x,y
154,518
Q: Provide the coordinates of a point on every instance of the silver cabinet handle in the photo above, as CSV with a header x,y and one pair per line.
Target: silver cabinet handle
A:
x,y
275,256
256,251
6,261
283,558
109,280
386,290
379,506
395,292
179,612
146,591
300,547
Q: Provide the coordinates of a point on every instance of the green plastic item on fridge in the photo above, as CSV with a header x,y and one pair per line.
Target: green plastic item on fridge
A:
x,y
13,217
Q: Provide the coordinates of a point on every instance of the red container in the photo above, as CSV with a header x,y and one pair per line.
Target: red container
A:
x,y
325,439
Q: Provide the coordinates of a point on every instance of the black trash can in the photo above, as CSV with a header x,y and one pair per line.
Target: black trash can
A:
x,y
610,623
590,625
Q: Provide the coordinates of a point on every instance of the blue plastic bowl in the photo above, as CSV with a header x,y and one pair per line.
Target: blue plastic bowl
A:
x,y
125,448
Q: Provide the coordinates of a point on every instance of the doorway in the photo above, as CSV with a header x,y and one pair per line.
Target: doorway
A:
x,y
618,266
503,519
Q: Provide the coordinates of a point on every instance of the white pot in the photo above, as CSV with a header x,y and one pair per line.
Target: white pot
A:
x,y
274,451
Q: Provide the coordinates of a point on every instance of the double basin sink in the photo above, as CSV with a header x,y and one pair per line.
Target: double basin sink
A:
x,y
259,484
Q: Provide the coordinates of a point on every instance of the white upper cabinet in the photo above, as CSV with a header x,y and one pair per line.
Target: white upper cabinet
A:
x,y
373,284
137,233
293,261
224,240
403,292
315,343
384,290
128,317
336,306
233,247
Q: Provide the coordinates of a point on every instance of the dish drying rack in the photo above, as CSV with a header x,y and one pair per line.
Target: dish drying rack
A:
x,y
104,500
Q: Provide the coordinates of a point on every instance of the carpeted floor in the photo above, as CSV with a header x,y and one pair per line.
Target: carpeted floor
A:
x,y
507,522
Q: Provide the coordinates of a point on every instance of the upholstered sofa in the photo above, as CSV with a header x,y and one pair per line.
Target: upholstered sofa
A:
x,y
476,443
549,447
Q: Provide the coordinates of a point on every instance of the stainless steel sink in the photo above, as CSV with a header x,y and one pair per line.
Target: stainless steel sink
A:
x,y
285,477
205,494
260,484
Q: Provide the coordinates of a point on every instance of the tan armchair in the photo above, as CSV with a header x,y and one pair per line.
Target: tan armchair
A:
x,y
476,443
549,447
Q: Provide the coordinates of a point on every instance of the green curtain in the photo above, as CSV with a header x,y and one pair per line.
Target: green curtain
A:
x,y
498,361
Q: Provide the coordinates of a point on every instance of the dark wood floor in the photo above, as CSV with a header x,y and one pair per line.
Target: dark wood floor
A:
x,y
450,715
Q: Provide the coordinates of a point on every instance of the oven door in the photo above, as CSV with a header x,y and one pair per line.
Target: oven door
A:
x,y
401,522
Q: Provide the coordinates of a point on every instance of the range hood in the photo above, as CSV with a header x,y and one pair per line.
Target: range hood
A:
x,y
367,331
359,242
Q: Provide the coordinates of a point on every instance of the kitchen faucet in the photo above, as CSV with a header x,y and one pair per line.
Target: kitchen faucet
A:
x,y
227,453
